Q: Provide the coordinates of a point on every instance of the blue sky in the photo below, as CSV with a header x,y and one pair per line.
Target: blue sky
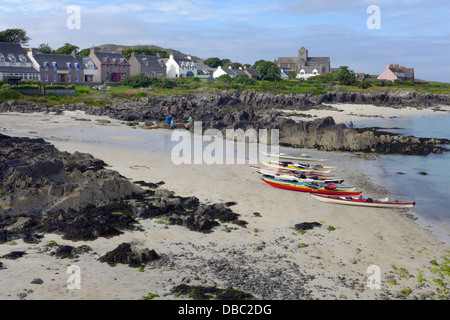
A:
x,y
414,33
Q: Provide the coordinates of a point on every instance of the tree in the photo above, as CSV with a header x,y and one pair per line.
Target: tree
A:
x,y
145,51
257,63
224,79
244,79
226,63
292,74
345,76
14,36
87,51
45,48
269,71
236,65
213,62
67,49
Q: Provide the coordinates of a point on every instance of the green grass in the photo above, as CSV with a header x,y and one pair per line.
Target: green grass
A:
x,y
93,97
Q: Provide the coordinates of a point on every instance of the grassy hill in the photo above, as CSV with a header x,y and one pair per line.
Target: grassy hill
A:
x,y
116,48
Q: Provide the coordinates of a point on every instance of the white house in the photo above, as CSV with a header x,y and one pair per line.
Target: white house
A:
x,y
229,71
180,67
307,72
15,64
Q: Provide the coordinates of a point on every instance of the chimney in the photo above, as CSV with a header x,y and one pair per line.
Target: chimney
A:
x,y
158,54
92,51
74,54
120,51
229,67
189,57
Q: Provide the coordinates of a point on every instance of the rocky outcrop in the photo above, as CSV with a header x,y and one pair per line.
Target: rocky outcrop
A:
x,y
43,190
250,109
36,178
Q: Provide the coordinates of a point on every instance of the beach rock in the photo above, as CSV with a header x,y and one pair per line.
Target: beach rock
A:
x,y
252,110
14,255
36,178
37,281
126,254
304,226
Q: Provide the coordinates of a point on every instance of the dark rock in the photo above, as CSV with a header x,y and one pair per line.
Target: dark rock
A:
x,y
37,178
37,281
125,254
14,255
306,226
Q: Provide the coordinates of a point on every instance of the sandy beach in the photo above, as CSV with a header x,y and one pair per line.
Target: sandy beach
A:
x,y
268,258
346,112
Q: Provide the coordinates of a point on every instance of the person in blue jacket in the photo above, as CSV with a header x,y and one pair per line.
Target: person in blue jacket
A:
x,y
168,119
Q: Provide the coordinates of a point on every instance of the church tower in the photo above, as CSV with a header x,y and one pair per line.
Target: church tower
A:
x,y
302,56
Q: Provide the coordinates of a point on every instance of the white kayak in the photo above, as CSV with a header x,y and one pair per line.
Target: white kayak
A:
x,y
287,165
285,156
363,202
289,177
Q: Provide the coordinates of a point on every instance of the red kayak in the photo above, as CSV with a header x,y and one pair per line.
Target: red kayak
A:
x,y
295,186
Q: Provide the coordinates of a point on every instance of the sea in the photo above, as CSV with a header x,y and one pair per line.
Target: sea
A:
x,y
423,179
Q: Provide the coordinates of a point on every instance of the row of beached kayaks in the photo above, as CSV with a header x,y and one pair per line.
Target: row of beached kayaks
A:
x,y
282,173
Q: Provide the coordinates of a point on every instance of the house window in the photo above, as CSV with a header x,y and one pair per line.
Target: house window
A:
x,y
13,61
78,78
2,60
24,61
46,77
70,77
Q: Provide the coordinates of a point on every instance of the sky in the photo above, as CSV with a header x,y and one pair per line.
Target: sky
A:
x,y
411,33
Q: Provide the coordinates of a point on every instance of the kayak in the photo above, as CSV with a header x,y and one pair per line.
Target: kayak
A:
x,y
295,186
298,166
311,181
292,157
304,175
363,202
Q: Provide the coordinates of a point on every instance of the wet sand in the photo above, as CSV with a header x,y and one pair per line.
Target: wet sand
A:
x,y
322,263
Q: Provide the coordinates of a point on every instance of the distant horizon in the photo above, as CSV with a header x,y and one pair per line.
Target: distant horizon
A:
x,y
412,34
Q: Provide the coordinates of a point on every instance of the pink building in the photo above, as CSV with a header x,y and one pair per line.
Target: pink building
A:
x,y
396,72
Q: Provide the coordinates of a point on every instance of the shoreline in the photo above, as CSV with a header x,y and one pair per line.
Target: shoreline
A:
x,y
268,248
346,112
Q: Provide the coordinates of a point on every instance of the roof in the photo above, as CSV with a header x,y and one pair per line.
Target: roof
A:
x,y
62,60
148,62
309,69
204,69
8,49
317,60
17,70
290,60
83,60
253,72
182,60
111,56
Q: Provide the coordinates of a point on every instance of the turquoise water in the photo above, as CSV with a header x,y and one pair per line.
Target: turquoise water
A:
x,y
402,173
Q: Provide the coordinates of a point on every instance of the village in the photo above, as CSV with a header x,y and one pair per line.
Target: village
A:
x,y
99,68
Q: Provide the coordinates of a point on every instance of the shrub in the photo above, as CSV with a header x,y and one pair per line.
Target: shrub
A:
x,y
364,84
6,95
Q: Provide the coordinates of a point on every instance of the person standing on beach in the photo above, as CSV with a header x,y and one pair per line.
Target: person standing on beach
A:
x,y
351,125
172,124
168,119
